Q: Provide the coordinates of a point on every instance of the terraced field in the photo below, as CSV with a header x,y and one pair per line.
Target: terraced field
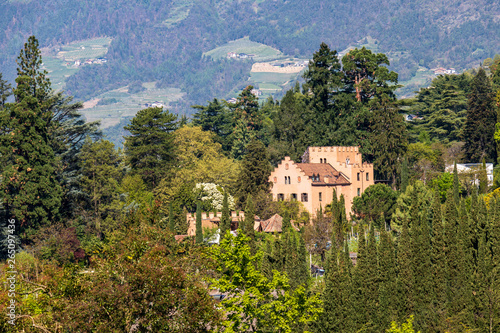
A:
x,y
245,45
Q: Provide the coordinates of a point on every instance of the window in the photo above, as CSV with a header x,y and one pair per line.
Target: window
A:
x,y
289,182
281,197
275,179
320,160
294,196
320,196
358,176
303,197
359,191
367,176
324,160
286,180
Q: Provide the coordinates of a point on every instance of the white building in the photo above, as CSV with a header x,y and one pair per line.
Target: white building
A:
x,y
472,168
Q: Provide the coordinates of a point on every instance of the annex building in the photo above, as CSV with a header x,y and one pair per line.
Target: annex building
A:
x,y
323,170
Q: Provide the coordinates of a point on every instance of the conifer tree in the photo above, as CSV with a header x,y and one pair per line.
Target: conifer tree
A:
x,y
456,185
254,173
388,139
387,281
371,282
225,220
249,222
481,119
404,175
199,230
439,268
286,225
5,91
149,147
171,220
483,179
302,267
32,195
406,279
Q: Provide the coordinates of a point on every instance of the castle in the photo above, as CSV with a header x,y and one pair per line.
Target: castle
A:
x,y
323,169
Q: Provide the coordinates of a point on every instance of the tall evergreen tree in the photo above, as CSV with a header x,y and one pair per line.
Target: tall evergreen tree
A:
x,y
439,268
149,148
225,220
249,222
199,230
215,118
32,195
5,91
483,178
481,119
254,173
171,220
404,175
387,280
456,185
406,278
388,139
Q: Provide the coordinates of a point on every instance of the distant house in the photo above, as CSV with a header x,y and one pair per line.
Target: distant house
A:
x,y
77,63
232,101
232,54
256,92
324,169
242,56
473,169
157,105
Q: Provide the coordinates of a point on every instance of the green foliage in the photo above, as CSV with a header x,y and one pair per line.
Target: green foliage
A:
x,y
254,172
149,148
199,230
404,328
388,140
255,302
28,163
481,119
443,108
100,177
366,75
443,184
377,203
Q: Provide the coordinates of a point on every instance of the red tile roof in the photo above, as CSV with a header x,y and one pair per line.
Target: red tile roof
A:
x,y
333,176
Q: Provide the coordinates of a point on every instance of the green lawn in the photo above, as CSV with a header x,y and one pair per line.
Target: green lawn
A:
x,y
178,12
245,45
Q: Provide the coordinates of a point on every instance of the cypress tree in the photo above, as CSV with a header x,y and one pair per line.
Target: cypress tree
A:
x,y
171,219
249,223
439,269
406,279
456,186
5,91
372,282
225,220
302,264
404,175
481,119
335,300
483,179
199,230
286,225
387,281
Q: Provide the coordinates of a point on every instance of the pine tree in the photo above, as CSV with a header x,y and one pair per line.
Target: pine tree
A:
x,y
481,119
149,147
199,230
5,91
225,220
214,118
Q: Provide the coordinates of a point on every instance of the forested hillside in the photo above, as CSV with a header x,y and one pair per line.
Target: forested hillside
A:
x,y
163,41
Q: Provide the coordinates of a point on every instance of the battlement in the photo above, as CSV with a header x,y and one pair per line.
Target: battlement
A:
x,y
212,215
